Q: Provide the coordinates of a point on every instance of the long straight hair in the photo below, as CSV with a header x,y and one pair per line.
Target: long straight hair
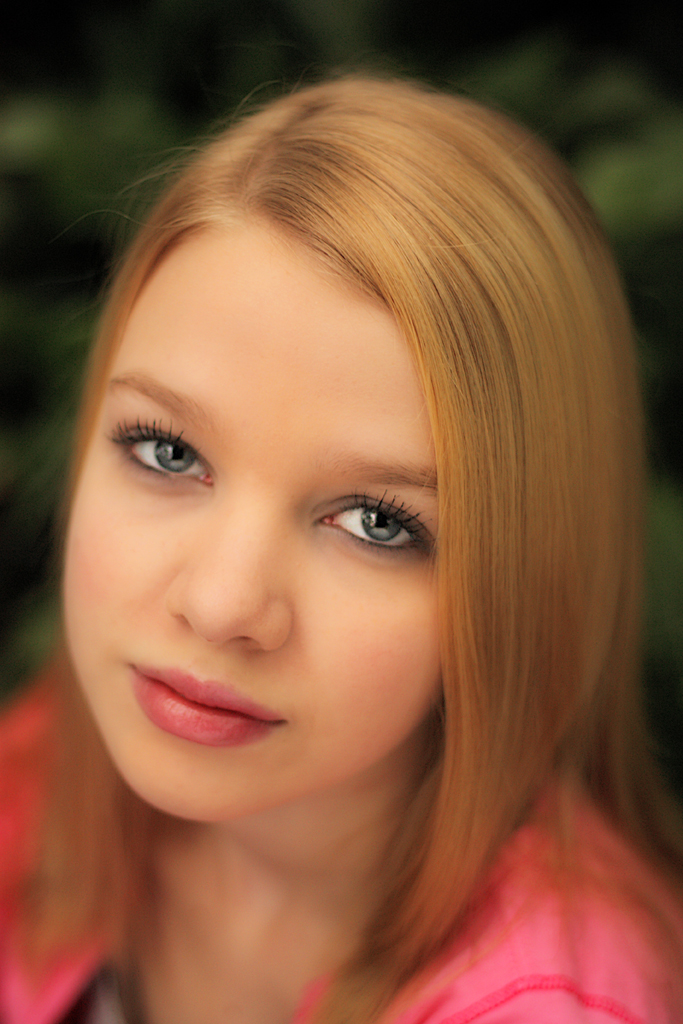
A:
x,y
478,241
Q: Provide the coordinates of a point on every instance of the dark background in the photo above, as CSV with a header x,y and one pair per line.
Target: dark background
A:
x,y
94,95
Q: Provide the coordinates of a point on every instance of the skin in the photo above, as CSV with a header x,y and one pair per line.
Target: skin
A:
x,y
249,568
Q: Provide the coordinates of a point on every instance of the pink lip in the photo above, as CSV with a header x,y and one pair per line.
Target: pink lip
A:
x,y
200,711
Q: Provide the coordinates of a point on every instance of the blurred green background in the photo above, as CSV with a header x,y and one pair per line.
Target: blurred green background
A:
x,y
96,93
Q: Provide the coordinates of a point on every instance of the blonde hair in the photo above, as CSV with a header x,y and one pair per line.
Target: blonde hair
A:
x,y
478,241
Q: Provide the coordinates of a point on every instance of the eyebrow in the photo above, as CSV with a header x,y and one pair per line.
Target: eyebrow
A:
x,y
389,474
180,405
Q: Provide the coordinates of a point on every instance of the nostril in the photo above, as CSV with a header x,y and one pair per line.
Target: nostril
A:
x,y
250,614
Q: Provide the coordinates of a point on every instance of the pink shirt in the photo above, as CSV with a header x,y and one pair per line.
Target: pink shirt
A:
x,y
530,963
537,974
597,972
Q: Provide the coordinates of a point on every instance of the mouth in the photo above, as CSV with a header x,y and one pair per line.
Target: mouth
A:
x,y
204,712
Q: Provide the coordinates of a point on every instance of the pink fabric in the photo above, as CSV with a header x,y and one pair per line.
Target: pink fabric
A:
x,y
21,1003
543,969
541,958
535,975
24,748
530,963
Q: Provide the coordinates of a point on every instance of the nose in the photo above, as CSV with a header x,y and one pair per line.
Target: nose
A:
x,y
230,582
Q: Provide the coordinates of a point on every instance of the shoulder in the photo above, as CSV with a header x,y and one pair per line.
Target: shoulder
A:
x,y
575,957
26,729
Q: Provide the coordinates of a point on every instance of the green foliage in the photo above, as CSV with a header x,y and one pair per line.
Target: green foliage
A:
x,y
143,79
665,626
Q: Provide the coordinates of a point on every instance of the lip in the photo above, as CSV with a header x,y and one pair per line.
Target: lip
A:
x,y
202,711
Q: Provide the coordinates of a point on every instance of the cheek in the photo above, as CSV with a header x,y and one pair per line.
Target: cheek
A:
x,y
86,594
386,658
95,558
85,568
102,563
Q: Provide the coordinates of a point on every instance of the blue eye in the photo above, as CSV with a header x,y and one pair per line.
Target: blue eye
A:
x,y
160,451
374,525
168,457
381,524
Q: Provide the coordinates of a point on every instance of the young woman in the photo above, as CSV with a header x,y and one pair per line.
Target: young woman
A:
x,y
349,725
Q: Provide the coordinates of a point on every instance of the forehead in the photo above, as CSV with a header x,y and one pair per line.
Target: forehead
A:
x,y
246,321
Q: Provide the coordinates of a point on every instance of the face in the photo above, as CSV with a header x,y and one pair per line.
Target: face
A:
x,y
249,594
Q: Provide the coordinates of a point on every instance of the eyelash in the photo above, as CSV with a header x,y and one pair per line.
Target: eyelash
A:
x,y
127,436
124,433
421,539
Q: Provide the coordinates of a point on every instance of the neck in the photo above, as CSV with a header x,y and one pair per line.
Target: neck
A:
x,y
322,853
265,904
